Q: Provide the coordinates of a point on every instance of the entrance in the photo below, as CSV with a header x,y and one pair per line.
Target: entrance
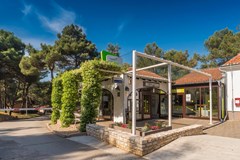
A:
x,y
177,105
107,105
147,104
146,107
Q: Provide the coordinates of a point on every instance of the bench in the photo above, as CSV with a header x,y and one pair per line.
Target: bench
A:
x,y
76,118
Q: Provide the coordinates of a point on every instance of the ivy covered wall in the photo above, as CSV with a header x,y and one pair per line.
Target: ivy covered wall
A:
x,y
91,75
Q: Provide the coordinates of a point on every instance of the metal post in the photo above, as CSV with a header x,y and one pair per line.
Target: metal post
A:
x,y
134,92
169,96
26,105
210,97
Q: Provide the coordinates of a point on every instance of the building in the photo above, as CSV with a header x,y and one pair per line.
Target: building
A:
x,y
116,96
231,76
191,95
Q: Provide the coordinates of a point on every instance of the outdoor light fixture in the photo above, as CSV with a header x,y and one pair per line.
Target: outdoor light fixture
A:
x,y
154,90
117,88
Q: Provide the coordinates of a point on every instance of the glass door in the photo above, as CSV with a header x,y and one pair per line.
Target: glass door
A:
x,y
177,103
193,104
146,106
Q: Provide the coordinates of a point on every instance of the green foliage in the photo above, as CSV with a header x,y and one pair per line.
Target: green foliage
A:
x,y
50,57
160,124
11,53
27,68
222,46
151,49
40,93
92,90
74,46
56,98
146,127
113,49
180,58
130,124
172,55
70,83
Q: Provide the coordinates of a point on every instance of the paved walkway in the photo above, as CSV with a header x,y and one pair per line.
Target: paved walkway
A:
x,y
227,129
30,140
176,122
204,147
114,153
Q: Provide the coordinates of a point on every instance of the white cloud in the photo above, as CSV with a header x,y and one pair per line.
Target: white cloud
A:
x,y
120,29
27,9
56,23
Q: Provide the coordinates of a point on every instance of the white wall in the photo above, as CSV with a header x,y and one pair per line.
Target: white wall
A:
x,y
120,103
232,89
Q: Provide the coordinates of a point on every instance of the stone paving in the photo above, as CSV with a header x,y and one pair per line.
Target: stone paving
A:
x,y
229,128
204,147
176,122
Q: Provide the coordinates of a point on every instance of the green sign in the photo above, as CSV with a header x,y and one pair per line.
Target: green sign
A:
x,y
104,55
107,56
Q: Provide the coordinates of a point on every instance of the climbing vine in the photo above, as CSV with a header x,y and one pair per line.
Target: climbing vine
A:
x,y
56,99
65,92
92,75
70,83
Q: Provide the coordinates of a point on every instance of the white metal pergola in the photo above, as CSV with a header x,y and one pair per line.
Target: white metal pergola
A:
x,y
163,62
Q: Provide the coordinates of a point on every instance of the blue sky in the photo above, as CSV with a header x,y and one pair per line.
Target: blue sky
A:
x,y
172,24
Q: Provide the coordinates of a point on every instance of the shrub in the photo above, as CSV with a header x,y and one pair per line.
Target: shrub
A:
x,y
92,88
69,97
146,127
154,127
160,124
56,99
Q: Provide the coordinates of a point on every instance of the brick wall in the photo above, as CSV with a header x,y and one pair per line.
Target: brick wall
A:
x,y
140,145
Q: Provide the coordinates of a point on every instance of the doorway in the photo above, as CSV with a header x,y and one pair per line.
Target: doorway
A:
x,y
177,105
107,105
146,107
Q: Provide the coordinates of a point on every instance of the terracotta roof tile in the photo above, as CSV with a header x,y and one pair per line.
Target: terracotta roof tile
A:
x,y
195,77
147,73
235,60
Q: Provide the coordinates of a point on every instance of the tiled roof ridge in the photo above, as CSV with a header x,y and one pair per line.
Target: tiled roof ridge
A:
x,y
194,77
147,73
235,60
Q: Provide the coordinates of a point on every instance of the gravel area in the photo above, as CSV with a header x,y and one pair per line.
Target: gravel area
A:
x,y
72,130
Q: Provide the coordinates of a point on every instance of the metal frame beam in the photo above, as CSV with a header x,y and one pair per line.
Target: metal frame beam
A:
x,y
134,93
172,63
164,62
169,95
149,67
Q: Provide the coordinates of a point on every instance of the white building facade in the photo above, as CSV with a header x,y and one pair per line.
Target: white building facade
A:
x,y
231,72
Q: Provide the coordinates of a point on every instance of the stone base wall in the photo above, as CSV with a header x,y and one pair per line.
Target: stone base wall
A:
x,y
234,115
140,145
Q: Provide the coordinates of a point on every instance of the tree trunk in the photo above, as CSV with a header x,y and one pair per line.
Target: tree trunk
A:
x,y
26,94
52,76
23,94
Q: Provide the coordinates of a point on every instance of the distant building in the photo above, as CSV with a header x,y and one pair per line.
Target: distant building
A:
x,y
191,96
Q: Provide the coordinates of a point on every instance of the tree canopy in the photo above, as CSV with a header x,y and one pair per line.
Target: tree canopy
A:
x,y
74,46
113,48
222,46
172,55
